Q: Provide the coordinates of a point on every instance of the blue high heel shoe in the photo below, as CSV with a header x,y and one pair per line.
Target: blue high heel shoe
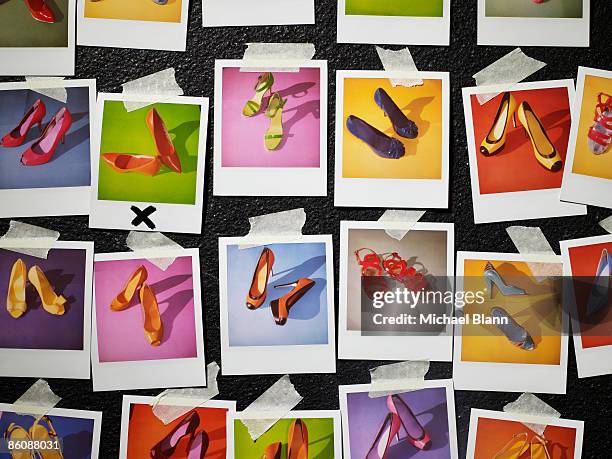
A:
x,y
598,297
516,334
492,277
401,124
380,143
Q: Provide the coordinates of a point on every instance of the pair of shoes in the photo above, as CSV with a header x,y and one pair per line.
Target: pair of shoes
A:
x,y
148,165
379,142
297,443
43,149
258,291
600,134
275,133
42,433
197,441
543,149
153,326
599,297
40,11
519,445
16,296
400,416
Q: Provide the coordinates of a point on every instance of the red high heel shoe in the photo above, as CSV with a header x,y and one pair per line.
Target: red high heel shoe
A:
x,y
398,269
40,11
43,149
415,433
145,165
167,152
372,272
388,430
35,114
165,448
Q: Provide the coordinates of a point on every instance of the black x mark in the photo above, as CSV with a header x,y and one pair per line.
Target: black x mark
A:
x,y
142,216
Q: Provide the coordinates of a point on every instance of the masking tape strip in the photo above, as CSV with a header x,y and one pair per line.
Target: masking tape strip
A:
x,y
533,412
53,87
171,404
400,61
531,241
269,407
37,401
288,223
397,377
606,224
29,239
504,73
283,57
145,91
151,246
409,217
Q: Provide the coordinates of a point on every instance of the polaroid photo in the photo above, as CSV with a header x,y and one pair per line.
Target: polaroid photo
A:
x,y
515,337
380,164
200,433
147,323
77,432
588,177
270,130
500,434
45,150
148,165
394,22
372,263
527,23
222,13
38,41
517,146
277,305
587,271
421,423
46,325
317,432
140,24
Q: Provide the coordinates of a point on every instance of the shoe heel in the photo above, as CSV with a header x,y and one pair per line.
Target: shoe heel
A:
x,y
63,139
490,287
40,126
514,120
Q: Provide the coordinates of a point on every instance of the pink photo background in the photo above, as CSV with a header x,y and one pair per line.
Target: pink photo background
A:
x,y
120,333
243,137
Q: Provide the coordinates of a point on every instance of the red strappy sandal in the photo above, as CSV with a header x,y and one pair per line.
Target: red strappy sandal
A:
x,y
372,272
600,134
399,270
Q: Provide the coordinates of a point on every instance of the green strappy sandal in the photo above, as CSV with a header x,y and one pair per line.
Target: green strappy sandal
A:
x,y
275,135
264,84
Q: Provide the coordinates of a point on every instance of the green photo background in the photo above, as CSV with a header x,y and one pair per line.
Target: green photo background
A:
x,y
320,438
127,132
527,9
426,8
18,29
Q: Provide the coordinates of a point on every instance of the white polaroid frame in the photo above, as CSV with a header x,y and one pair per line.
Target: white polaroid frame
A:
x,y
509,377
269,181
42,61
38,202
530,31
594,361
380,192
352,345
394,30
290,359
304,414
67,413
175,218
123,33
517,205
129,400
223,13
584,189
151,374
56,363
343,392
476,414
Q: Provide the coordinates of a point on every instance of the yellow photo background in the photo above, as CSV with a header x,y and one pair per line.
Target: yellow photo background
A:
x,y
135,10
421,104
539,312
585,161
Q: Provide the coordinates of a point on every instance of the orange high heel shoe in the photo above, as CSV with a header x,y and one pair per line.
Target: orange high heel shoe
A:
x,y
124,298
16,297
51,302
46,435
259,285
272,451
19,436
281,306
145,165
153,327
298,440
165,147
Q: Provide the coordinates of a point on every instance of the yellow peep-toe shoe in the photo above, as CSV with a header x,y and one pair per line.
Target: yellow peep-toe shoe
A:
x,y
16,297
543,149
42,431
51,302
19,435
274,135
496,138
264,84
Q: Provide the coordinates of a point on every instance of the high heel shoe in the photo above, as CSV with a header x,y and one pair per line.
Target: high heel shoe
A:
x,y
198,445
492,277
543,149
401,124
515,333
515,448
42,431
51,302
16,296
272,451
146,165
538,448
40,11
21,437
165,448
297,440
416,434
41,151
496,138
388,430
265,81
259,285
399,270
281,306
372,273
35,114
152,323
380,143
599,296
124,297
274,135
600,133
163,143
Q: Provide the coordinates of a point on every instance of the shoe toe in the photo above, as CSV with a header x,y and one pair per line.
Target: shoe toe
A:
x,y
396,149
411,131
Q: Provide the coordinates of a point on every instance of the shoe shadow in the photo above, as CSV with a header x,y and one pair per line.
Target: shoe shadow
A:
x,y
59,282
305,269
176,303
161,286
57,12
562,451
309,306
180,135
413,111
298,91
73,140
77,445
299,113
328,449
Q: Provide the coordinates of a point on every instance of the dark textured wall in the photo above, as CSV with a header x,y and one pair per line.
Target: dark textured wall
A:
x,y
586,399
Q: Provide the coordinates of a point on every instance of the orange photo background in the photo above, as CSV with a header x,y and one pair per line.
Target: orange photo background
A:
x,y
539,312
597,330
493,434
134,10
585,161
421,104
515,168
145,430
